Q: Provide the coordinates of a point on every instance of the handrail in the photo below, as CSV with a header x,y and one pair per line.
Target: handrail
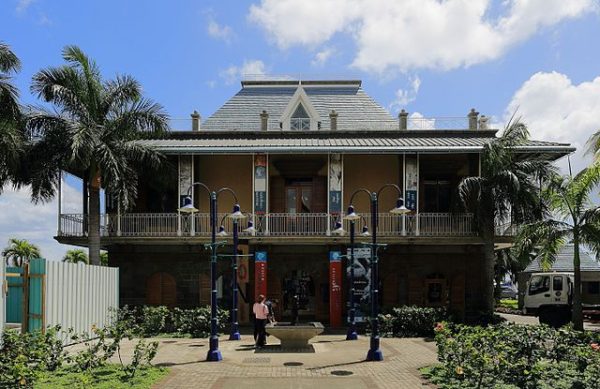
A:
x,y
275,225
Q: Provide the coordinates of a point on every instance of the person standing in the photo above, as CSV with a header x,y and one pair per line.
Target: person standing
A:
x,y
261,313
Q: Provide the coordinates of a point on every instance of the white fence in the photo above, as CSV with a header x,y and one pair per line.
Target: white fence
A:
x,y
80,296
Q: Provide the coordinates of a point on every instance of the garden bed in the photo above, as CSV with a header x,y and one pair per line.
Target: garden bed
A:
x,y
107,377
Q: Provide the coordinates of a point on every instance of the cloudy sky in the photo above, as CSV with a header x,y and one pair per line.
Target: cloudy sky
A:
x,y
538,58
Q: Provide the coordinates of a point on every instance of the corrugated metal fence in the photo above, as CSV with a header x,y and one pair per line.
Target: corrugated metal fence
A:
x,y
77,296
3,289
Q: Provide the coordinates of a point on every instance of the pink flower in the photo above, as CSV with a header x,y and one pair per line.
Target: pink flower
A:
x,y
439,327
595,346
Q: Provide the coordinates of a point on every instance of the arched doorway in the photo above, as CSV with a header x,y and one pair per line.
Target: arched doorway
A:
x,y
161,289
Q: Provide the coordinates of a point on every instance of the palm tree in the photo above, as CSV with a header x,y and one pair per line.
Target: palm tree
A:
x,y
573,218
506,189
92,132
75,256
20,251
12,137
103,258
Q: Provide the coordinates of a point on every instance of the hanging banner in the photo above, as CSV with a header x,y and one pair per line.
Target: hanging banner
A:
x,y
335,183
260,184
362,282
243,271
260,273
335,289
186,177
412,182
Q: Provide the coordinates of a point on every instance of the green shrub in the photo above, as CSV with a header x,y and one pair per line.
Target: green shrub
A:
x,y
411,321
515,356
24,356
151,321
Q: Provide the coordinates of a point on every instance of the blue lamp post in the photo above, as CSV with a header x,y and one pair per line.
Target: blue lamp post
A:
x,y
375,353
214,354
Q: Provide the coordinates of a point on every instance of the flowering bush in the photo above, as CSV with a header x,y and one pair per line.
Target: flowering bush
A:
x,y
515,356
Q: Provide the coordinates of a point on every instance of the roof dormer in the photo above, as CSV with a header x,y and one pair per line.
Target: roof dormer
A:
x,y
300,114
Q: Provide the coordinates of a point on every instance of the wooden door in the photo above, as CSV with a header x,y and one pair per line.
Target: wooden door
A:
x,y
161,289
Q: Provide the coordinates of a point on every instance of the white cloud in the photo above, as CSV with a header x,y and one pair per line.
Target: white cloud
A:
x,y
406,96
22,5
322,56
556,109
222,32
413,34
20,218
252,68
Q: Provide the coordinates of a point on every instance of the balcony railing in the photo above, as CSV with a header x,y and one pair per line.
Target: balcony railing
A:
x,y
272,224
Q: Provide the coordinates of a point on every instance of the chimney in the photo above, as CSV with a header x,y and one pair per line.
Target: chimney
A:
x,y
483,122
264,121
403,119
195,121
333,120
473,119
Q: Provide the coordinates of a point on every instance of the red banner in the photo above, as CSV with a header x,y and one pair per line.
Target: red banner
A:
x,y
260,273
335,289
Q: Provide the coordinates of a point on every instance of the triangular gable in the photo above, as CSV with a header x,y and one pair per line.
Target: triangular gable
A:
x,y
300,97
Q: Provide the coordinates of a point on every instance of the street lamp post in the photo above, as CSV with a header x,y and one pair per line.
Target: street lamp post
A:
x,y
375,353
214,354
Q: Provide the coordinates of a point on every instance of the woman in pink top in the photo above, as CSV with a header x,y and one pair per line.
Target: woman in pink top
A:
x,y
261,312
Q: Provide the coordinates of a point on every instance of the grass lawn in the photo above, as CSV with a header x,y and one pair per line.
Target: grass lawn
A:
x,y
108,377
509,303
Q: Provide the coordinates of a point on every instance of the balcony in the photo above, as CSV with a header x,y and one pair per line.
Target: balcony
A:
x,y
150,225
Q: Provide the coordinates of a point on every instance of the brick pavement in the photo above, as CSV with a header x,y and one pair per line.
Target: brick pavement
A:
x,y
334,363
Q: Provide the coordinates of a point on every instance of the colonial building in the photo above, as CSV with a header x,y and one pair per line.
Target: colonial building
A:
x,y
295,152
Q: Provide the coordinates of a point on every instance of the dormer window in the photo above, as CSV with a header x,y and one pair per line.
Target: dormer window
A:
x,y
300,119
300,114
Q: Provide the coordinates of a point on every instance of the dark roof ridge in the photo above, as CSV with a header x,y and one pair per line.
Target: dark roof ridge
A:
x,y
246,83
325,134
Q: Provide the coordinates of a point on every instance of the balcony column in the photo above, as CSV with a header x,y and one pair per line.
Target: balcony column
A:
x,y
334,188
260,205
411,186
185,181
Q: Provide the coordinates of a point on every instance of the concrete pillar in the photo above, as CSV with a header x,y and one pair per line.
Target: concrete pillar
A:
x,y
195,121
333,120
483,122
473,119
264,121
403,120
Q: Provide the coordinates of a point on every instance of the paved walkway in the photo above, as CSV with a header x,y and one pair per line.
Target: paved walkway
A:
x,y
334,363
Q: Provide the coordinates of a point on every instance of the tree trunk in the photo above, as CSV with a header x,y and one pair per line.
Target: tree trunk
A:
x,y
487,271
577,307
94,220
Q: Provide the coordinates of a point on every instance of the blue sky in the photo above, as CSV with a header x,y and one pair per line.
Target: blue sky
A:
x,y
436,58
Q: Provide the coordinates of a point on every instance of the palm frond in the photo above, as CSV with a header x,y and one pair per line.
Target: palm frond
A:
x,y
9,62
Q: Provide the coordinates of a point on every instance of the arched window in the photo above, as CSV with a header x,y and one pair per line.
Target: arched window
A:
x,y
161,289
300,119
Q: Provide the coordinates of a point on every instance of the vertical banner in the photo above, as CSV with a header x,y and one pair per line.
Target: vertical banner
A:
x,y
260,184
335,183
186,176
362,282
260,273
335,289
411,188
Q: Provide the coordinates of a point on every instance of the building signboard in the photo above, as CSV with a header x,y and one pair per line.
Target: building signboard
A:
x,y
260,273
335,289
362,282
335,183
411,189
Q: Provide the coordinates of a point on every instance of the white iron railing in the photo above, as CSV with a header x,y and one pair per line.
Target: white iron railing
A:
x,y
272,224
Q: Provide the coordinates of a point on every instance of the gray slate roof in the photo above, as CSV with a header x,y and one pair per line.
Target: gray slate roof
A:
x,y
356,110
564,262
